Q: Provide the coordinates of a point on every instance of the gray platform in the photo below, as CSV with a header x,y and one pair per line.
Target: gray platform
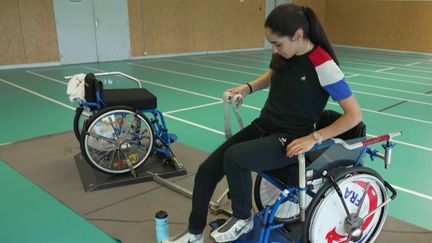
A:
x,y
95,180
127,212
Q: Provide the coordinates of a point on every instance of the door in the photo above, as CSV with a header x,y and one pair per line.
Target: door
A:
x,y
75,31
270,5
92,30
112,30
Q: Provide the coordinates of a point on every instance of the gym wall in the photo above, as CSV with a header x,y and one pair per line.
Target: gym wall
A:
x,y
396,25
156,27
166,26
28,32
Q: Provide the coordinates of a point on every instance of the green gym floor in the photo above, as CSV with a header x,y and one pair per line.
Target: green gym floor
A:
x,y
394,90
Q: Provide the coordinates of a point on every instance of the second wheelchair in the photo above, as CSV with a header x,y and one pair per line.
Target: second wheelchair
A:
x,y
119,129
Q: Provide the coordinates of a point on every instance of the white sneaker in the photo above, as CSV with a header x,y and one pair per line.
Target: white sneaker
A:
x,y
185,237
232,229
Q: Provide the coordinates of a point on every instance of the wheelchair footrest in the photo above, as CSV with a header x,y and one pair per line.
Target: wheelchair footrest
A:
x,y
276,235
172,137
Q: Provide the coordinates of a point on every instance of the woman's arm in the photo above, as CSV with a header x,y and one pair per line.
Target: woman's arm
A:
x,y
261,82
350,118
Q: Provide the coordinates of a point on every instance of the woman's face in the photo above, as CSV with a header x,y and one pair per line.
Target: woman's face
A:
x,y
283,45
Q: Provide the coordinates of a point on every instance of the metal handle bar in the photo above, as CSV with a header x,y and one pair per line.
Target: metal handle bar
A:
x,y
367,142
113,73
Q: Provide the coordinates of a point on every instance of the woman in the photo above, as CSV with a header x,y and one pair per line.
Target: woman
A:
x,y
303,74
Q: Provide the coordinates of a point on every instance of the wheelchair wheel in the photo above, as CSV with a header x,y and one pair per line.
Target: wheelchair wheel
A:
x,y
265,193
82,114
327,220
116,138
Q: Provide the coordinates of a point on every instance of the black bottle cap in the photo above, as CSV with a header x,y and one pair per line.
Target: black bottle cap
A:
x,y
161,215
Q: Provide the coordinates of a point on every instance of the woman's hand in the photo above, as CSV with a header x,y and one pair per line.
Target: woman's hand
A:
x,y
300,145
242,89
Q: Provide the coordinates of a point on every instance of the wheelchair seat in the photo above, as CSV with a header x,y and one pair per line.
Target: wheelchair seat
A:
x,y
325,159
138,98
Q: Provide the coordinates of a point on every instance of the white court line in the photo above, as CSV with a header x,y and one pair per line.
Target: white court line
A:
x,y
389,114
3,144
418,194
361,61
217,68
384,69
412,64
43,76
184,121
385,88
348,76
229,64
365,70
186,74
392,79
383,54
381,113
360,69
37,94
387,64
256,108
361,92
392,98
195,124
193,107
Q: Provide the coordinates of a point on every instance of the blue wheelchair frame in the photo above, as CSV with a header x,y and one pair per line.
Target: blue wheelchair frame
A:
x,y
267,215
157,120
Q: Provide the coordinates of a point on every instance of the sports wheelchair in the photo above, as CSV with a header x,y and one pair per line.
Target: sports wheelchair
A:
x,y
113,127
329,196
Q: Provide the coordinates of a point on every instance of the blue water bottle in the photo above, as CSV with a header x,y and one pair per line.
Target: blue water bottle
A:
x,y
161,221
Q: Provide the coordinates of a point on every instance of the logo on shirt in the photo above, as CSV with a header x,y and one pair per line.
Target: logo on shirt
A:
x,y
303,78
282,141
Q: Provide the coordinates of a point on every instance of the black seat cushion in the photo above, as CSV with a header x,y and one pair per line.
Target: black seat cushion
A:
x,y
138,98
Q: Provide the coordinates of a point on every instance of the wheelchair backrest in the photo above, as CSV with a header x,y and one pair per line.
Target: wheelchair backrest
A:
x,y
336,156
329,116
92,85
325,159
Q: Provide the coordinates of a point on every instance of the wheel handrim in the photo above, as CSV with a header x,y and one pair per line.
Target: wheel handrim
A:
x,y
116,138
329,220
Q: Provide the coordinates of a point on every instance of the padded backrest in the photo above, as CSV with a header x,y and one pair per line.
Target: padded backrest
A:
x,y
329,116
91,86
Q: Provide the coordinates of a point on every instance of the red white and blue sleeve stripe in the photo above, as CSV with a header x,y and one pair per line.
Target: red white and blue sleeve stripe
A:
x,y
330,76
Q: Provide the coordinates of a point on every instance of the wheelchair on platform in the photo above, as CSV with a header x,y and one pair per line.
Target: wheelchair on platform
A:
x,y
329,196
119,129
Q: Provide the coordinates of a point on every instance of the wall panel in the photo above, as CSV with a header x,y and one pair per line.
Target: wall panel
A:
x,y
11,41
177,30
208,25
152,10
398,25
39,31
318,6
136,27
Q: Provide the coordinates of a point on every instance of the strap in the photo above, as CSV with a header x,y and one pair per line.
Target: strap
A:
x,y
235,101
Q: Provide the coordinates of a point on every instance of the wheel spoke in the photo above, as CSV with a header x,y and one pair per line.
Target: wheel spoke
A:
x,y
339,192
101,137
362,199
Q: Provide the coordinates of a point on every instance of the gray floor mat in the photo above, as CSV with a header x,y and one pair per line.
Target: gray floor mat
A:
x,y
127,212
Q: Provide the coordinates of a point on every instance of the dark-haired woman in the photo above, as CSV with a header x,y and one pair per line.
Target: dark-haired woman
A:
x,y
303,74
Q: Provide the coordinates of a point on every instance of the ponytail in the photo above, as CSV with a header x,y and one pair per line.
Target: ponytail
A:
x,y
317,34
